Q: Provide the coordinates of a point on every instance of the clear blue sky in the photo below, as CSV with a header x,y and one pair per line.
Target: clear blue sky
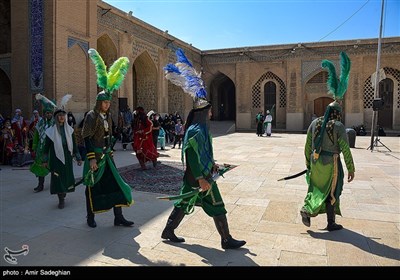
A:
x,y
218,24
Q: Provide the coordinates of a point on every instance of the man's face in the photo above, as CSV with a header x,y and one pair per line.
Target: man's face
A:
x,y
61,118
105,105
48,115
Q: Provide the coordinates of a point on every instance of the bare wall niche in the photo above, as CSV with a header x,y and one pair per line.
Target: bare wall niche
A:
x,y
145,82
77,63
108,51
223,98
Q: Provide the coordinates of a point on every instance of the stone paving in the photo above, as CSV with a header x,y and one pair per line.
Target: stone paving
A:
x,y
261,210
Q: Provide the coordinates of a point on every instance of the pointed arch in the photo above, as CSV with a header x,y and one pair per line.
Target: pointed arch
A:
x,y
77,81
389,90
315,98
145,82
108,51
259,102
223,97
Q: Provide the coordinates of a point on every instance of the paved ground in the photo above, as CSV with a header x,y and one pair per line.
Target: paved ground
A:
x,y
261,210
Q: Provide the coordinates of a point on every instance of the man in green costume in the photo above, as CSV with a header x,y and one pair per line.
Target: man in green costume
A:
x,y
58,152
105,188
326,140
39,138
197,152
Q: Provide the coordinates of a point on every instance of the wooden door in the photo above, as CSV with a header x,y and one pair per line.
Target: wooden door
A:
x,y
385,116
320,105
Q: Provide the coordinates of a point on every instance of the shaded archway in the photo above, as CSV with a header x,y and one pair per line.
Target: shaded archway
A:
x,y
223,98
145,82
5,95
108,51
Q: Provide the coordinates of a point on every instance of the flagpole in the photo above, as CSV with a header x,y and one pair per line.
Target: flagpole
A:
x,y
376,89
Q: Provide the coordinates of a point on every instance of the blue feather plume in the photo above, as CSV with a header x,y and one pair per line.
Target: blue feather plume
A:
x,y
185,76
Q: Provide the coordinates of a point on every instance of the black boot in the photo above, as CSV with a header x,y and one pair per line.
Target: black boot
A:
x,y
173,222
227,242
119,220
40,186
90,215
305,218
61,200
330,213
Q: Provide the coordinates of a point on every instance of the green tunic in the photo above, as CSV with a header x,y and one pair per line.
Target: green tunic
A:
x,y
39,140
325,174
62,175
198,152
107,189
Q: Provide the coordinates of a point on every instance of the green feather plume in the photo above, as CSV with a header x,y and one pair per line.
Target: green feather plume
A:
x,y
332,81
101,68
117,73
338,87
345,65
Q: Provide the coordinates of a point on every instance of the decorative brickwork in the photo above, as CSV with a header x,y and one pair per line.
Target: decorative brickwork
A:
x,y
139,46
122,24
175,99
256,90
369,90
309,67
292,92
355,94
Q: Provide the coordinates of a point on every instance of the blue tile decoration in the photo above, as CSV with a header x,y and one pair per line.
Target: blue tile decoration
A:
x,y
36,27
84,45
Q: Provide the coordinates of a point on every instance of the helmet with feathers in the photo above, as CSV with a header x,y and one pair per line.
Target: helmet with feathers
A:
x,y
183,74
337,87
111,79
51,106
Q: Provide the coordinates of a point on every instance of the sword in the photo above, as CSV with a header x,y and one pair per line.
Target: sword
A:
x,y
293,176
224,168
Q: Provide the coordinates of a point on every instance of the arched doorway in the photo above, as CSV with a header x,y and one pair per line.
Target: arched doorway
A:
x,y
385,116
270,100
223,98
107,50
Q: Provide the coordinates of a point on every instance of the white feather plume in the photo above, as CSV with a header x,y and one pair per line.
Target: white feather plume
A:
x,y
45,100
65,100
